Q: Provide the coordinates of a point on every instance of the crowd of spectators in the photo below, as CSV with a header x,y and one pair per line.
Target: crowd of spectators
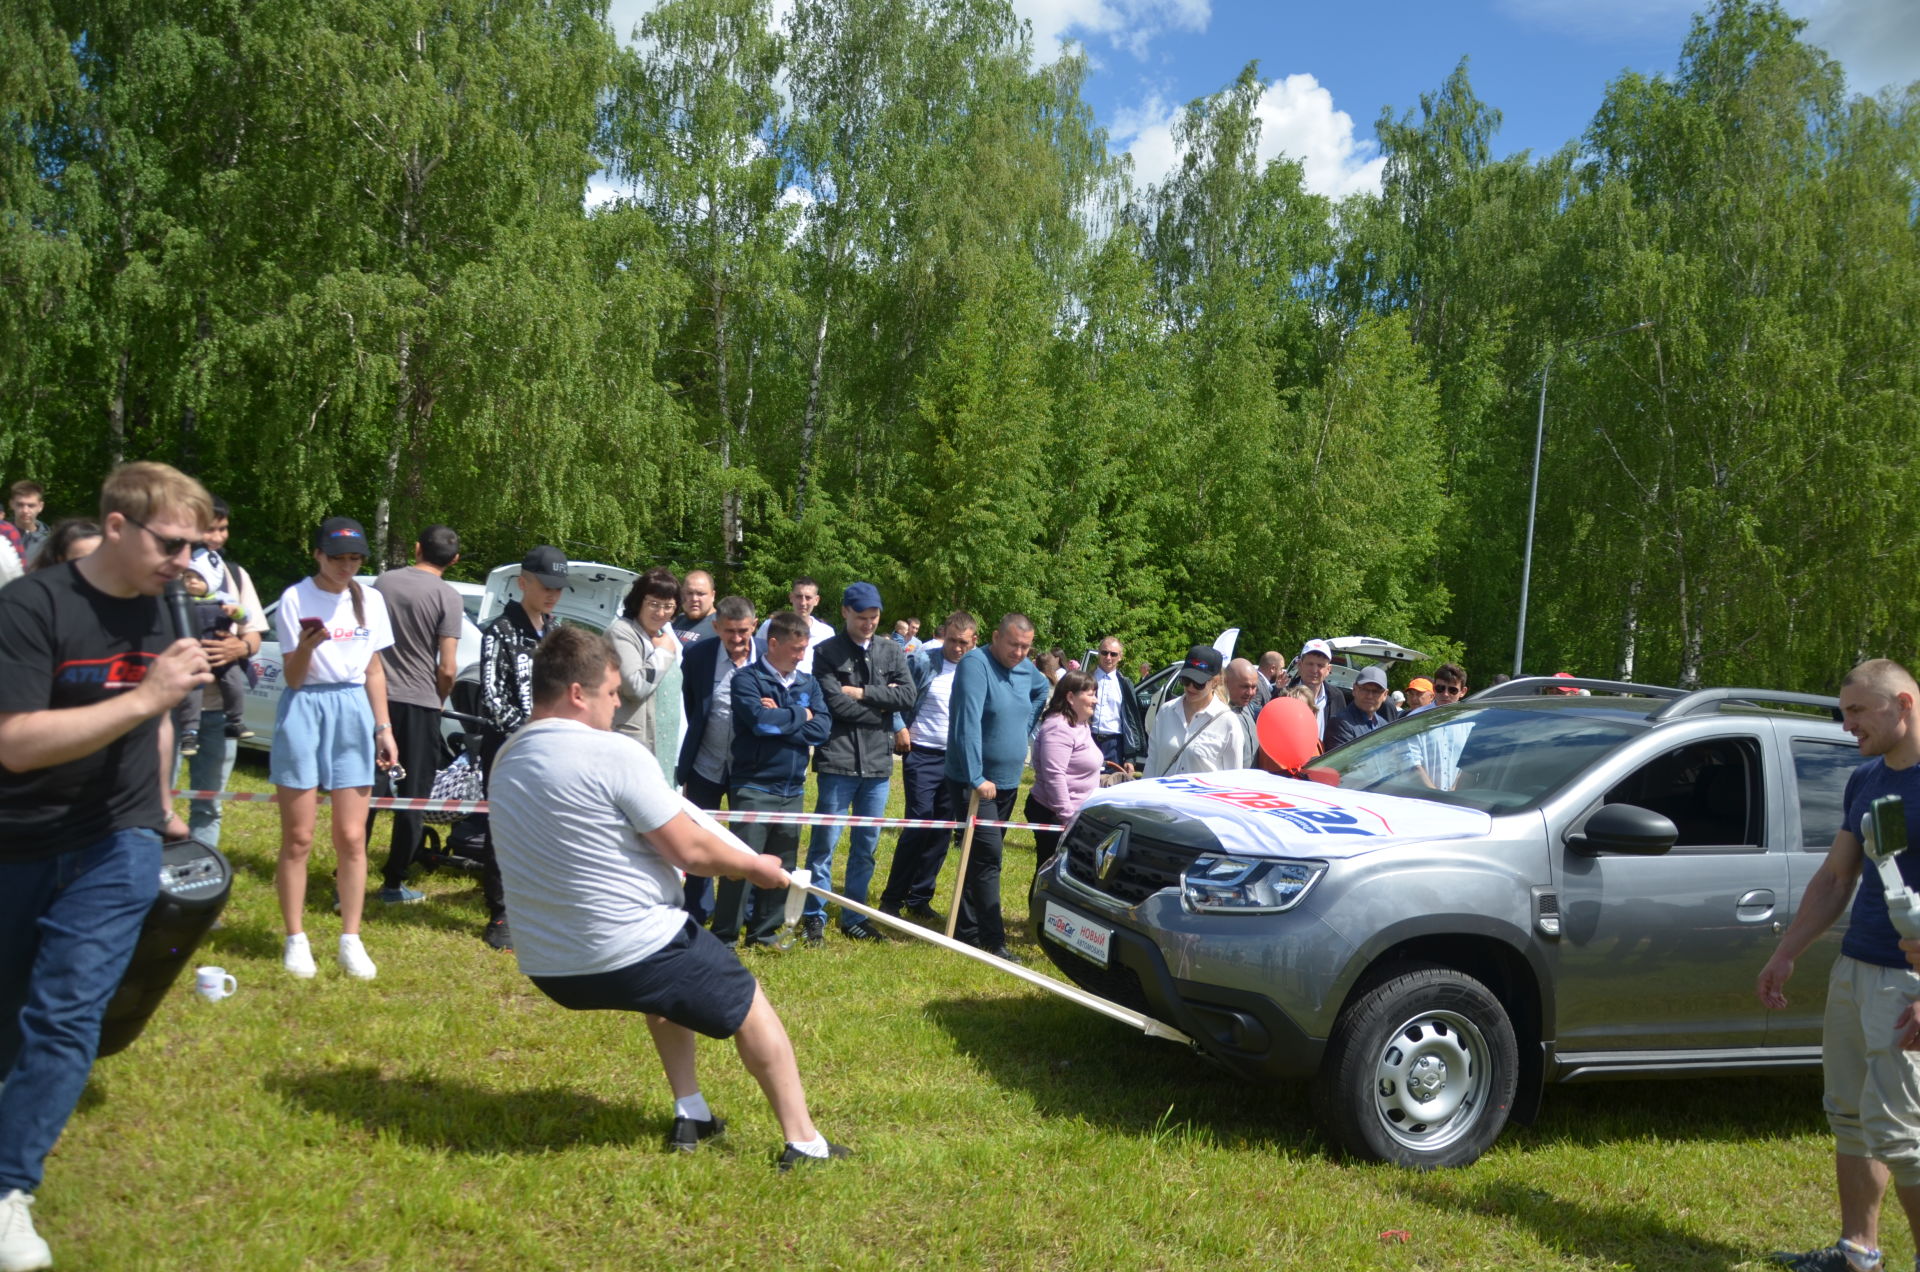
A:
x,y
736,706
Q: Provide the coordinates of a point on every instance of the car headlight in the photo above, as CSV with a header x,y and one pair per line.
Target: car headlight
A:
x,y
1247,885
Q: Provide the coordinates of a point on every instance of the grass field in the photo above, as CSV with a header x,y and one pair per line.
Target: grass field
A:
x,y
448,1116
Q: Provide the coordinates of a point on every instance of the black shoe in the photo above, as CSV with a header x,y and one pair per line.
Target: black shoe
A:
x,y
925,914
1006,953
689,1131
794,1157
861,932
498,935
891,911
814,931
189,744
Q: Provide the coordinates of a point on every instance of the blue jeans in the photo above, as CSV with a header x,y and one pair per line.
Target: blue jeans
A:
x,y
863,797
68,925
208,771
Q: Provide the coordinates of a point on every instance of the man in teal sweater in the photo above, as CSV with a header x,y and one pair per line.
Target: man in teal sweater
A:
x,y
997,697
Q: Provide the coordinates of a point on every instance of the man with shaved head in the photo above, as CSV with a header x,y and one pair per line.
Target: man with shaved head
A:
x,y
695,619
1247,692
997,697
1872,1081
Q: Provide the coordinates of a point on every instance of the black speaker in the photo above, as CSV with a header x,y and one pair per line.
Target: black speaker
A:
x,y
195,881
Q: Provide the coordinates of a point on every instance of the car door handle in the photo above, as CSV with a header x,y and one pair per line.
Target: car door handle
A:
x,y
1755,906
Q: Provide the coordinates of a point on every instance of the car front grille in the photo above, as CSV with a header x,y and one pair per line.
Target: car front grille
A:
x,y
1145,866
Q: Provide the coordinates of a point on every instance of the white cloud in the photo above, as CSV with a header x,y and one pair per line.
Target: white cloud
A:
x,y
1297,119
1877,41
1125,24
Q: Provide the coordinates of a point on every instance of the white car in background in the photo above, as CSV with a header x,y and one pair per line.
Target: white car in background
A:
x,y
592,599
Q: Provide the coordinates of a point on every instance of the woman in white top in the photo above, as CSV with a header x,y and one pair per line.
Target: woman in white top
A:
x,y
330,733
1198,733
649,650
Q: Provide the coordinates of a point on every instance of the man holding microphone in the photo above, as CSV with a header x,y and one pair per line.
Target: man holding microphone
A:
x,y
90,667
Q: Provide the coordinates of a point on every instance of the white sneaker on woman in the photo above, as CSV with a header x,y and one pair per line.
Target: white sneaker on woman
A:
x,y
354,960
298,957
21,1249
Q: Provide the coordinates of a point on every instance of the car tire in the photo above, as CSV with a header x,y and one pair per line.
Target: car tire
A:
x,y
1420,1070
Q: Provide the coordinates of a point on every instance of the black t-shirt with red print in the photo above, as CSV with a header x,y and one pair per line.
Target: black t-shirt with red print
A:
x,y
64,643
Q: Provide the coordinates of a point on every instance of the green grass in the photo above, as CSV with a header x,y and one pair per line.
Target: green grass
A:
x,y
448,1116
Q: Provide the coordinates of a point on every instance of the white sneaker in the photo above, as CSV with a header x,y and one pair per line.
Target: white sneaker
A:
x,y
21,1249
298,957
354,960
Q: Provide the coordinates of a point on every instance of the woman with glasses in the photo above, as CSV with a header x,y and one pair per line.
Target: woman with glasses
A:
x,y
329,733
1198,732
649,652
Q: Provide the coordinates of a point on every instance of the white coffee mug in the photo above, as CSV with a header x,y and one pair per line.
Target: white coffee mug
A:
x,y
213,983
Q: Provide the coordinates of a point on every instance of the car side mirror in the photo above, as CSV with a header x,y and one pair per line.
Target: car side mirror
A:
x,y
1626,829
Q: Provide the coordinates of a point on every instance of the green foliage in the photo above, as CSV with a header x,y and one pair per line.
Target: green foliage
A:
x,y
872,299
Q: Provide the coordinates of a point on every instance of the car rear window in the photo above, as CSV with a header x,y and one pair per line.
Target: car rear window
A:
x,y
1821,770
1493,758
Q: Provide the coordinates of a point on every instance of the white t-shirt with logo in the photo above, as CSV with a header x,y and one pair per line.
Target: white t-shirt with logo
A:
x,y
571,805
344,657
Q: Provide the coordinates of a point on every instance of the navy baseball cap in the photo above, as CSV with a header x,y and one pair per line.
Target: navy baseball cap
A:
x,y
1203,664
860,596
341,536
549,565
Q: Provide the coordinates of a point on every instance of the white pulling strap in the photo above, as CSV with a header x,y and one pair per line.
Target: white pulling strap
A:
x,y
802,884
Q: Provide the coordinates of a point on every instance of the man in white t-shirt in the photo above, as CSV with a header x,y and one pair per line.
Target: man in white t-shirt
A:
x,y
590,842
921,851
803,596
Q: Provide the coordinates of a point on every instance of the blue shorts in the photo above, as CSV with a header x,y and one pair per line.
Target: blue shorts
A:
x,y
323,739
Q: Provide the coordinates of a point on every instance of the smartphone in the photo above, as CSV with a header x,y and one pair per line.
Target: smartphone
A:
x,y
312,624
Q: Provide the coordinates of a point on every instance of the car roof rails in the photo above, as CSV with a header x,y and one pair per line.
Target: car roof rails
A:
x,y
1535,687
1706,699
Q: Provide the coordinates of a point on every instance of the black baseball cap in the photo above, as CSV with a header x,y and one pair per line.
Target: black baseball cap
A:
x,y
547,564
341,536
1203,664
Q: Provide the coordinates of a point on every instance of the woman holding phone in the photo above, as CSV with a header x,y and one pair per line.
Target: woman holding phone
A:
x,y
330,733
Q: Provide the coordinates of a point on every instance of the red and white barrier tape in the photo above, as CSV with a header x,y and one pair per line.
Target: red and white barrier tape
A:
x,y
793,819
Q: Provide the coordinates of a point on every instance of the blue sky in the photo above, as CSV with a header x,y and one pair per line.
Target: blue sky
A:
x,y
1331,67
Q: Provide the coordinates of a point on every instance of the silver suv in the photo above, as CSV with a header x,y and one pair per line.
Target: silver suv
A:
x,y
1475,901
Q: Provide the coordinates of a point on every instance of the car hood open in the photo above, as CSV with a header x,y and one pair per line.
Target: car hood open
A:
x,y
1257,814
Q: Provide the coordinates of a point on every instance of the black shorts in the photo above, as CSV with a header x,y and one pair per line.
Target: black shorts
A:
x,y
694,980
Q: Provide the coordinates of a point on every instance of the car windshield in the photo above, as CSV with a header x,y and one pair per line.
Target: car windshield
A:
x,y
1493,758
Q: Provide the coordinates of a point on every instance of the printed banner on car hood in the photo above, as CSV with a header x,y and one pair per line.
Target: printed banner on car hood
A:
x,y
1256,814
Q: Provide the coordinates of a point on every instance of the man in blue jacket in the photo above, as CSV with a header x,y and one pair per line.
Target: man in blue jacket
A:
x,y
706,704
775,728
997,698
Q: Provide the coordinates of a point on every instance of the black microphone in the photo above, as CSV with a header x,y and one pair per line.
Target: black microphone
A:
x,y
181,610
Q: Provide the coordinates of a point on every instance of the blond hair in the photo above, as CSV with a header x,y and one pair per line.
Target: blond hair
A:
x,y
143,490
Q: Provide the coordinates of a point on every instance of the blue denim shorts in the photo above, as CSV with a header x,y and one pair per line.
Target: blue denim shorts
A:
x,y
323,739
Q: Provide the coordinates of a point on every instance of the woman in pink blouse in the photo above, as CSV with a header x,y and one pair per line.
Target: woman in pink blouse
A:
x,y
1066,760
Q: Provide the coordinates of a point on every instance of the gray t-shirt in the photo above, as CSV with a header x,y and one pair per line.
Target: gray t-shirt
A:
x,y
422,609
585,891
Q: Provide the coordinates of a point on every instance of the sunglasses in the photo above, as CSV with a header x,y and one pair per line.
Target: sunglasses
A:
x,y
1109,653
168,547
1441,688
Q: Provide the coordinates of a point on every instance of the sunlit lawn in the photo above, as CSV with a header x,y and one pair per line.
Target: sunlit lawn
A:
x,y
448,1116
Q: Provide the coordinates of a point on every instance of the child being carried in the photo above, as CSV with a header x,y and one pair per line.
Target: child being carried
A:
x,y
216,611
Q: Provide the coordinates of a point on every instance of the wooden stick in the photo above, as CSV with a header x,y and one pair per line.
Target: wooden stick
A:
x,y
966,850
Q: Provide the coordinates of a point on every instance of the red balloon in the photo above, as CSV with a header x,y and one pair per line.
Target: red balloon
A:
x,y
1289,733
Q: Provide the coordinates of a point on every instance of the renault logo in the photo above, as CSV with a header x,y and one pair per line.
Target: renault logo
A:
x,y
1110,852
